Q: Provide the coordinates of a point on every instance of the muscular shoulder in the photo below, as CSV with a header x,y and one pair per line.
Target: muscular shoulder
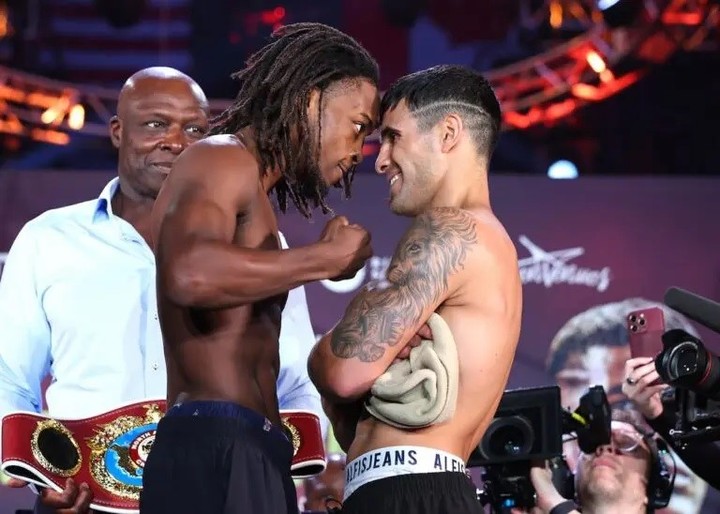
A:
x,y
448,243
447,224
216,173
444,233
216,155
436,247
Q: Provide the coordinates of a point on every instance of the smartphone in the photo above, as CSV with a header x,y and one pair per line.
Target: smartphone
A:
x,y
646,327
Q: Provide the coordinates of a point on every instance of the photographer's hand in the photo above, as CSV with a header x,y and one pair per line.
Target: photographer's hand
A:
x,y
639,374
547,496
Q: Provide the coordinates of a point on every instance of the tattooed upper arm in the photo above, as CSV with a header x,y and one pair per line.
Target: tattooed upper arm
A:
x,y
434,248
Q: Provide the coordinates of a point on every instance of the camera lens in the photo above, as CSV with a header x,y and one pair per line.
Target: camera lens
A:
x,y
508,437
633,328
683,361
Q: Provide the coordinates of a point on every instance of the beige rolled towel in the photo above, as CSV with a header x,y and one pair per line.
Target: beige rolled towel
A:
x,y
422,390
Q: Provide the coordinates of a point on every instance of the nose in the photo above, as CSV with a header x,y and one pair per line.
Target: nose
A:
x,y
175,141
382,162
605,448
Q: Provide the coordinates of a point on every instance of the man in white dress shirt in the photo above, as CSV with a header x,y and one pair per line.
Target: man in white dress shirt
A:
x,y
77,295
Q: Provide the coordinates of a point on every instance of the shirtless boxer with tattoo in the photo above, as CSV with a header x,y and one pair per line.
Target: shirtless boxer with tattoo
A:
x,y
438,127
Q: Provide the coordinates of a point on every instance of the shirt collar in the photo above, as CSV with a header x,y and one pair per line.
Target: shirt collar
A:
x,y
103,207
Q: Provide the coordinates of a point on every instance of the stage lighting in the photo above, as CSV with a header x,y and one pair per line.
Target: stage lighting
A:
x,y
619,13
562,169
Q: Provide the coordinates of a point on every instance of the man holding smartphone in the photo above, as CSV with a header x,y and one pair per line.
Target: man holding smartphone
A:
x,y
592,348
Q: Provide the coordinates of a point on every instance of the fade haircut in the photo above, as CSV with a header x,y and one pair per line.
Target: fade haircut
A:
x,y
436,92
275,88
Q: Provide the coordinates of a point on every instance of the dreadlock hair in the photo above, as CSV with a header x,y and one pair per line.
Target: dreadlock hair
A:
x,y
273,100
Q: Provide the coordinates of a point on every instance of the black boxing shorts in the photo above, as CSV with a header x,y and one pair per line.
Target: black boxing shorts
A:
x,y
220,458
409,480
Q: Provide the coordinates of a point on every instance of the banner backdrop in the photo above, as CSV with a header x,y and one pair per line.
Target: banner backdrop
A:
x,y
580,243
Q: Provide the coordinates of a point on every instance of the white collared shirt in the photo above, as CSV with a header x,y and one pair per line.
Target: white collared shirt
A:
x,y
77,302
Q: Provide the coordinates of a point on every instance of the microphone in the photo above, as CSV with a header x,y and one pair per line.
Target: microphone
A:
x,y
697,308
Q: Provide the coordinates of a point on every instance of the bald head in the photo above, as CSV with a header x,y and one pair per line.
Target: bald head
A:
x,y
160,112
149,81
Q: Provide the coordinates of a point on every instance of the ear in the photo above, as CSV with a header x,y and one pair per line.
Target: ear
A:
x,y
451,128
115,129
314,104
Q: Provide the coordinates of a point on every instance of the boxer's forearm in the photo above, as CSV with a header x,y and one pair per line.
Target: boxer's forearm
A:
x,y
217,274
330,376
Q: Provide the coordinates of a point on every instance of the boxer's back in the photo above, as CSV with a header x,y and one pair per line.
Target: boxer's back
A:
x,y
484,316
217,352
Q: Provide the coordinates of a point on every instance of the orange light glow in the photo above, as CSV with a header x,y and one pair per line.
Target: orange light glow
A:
x,y
596,62
55,113
76,118
556,14
50,136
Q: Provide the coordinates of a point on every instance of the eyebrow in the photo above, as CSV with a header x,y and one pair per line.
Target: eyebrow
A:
x,y
370,123
388,131
160,113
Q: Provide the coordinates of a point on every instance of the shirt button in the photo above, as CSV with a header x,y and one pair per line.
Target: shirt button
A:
x,y
155,367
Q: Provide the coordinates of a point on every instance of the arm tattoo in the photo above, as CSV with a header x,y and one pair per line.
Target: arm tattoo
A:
x,y
435,247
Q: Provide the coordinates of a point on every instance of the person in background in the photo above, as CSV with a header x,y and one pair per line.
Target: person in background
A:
x,y
701,457
591,349
620,477
325,491
77,294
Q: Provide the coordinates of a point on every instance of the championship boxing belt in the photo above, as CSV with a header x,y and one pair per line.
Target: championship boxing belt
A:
x,y
303,429
108,451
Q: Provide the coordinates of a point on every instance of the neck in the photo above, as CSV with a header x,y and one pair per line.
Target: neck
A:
x,y
271,177
135,209
467,189
613,507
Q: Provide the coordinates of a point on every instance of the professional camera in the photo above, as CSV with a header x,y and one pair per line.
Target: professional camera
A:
x,y
685,363
528,426
692,370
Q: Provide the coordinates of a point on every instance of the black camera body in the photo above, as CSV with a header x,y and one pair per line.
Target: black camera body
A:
x,y
694,372
685,362
528,426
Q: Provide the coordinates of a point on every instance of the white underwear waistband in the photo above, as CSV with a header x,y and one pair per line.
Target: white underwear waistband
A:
x,y
398,460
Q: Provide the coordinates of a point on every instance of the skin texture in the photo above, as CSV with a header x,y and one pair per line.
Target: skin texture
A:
x,y
160,112
606,365
457,260
222,279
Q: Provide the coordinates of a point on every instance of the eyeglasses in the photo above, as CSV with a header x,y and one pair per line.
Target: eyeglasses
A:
x,y
624,437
